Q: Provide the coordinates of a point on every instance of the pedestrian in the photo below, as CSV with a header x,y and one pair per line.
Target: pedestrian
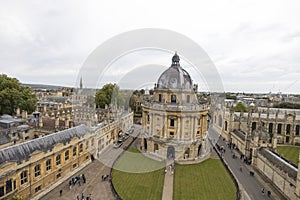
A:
x,y
60,192
263,191
83,178
241,169
166,171
77,197
269,193
82,196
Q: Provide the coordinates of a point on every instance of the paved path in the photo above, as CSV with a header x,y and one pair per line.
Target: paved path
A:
x,y
168,184
93,172
251,185
94,185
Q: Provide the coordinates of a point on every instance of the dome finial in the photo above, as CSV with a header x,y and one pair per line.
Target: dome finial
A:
x,y
175,60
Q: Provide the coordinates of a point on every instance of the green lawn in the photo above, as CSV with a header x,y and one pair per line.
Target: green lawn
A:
x,y
206,180
289,152
138,177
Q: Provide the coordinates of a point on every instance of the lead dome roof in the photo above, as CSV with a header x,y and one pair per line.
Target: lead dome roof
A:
x,y
175,77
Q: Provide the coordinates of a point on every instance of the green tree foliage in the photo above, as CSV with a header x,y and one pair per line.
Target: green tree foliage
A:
x,y
109,94
240,107
13,95
229,96
287,105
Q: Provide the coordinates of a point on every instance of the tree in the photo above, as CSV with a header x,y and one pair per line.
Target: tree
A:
x,y
109,94
13,96
240,107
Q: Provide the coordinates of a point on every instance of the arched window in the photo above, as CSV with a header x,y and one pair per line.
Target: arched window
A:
x,y
74,151
226,125
173,98
253,126
271,128
188,98
57,160
67,155
80,148
279,127
220,121
288,129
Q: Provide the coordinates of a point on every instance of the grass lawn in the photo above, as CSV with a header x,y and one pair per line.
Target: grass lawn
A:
x,y
138,177
208,180
289,152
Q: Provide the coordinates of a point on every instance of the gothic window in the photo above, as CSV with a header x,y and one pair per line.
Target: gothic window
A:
x,y
253,126
37,170
225,125
160,98
24,177
271,128
288,129
279,127
297,130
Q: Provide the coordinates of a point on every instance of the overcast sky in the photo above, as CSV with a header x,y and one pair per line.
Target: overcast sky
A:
x,y
255,45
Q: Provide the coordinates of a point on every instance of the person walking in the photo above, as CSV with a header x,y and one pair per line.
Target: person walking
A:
x,y
263,191
83,178
60,193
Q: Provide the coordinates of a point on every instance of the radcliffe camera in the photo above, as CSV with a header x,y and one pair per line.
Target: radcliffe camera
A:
x,y
160,100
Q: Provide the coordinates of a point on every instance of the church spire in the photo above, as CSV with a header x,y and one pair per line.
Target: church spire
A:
x,y
80,84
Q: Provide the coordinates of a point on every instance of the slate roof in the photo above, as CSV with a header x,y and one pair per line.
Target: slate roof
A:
x,y
23,150
279,162
240,134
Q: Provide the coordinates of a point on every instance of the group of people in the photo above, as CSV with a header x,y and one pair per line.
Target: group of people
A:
x,y
263,192
78,179
105,177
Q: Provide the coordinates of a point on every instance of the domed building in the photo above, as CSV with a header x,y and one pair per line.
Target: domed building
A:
x,y
174,123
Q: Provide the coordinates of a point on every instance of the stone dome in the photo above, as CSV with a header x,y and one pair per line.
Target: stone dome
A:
x,y
175,77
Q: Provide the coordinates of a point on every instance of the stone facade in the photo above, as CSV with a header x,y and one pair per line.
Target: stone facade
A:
x,y
174,123
30,167
281,174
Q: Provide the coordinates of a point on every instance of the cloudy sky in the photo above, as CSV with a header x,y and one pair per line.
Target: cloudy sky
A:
x,y
255,45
